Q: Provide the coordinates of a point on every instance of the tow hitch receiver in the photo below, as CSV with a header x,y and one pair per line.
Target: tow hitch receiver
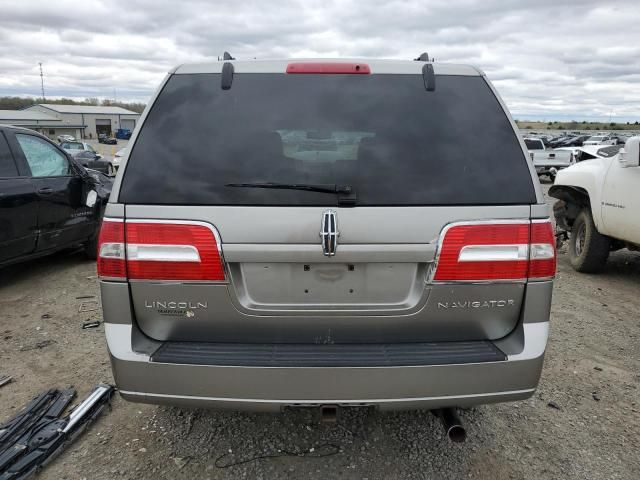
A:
x,y
328,413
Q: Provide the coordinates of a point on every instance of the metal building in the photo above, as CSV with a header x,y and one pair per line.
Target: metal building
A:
x,y
41,122
95,119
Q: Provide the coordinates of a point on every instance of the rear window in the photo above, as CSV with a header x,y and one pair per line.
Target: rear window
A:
x,y
534,144
385,136
607,152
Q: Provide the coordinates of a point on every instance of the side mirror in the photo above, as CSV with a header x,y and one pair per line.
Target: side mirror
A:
x,y
630,155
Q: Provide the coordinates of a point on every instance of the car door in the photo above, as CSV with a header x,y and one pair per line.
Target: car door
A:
x,y
63,218
621,202
18,208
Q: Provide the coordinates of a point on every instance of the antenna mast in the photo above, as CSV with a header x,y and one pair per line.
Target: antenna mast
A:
x,y
41,80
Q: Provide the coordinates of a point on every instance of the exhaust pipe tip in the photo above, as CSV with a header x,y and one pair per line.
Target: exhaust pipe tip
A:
x,y
452,424
457,433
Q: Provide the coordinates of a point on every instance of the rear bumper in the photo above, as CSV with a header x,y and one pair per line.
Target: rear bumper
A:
x,y
273,388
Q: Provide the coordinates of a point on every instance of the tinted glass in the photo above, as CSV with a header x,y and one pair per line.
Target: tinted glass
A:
x,y
586,156
43,158
534,144
609,151
384,135
7,165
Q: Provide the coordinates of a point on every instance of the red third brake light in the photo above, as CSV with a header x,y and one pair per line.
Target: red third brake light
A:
x,y
500,250
329,67
160,250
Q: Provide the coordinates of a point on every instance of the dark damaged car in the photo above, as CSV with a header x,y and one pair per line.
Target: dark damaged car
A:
x,y
48,201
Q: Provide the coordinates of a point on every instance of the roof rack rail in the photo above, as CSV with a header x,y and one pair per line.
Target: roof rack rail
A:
x,y
227,56
424,57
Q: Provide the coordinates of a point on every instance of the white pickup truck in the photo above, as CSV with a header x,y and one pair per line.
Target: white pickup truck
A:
x,y
599,205
601,140
547,162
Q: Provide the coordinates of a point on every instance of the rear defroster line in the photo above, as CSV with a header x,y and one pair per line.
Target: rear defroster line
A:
x,y
37,435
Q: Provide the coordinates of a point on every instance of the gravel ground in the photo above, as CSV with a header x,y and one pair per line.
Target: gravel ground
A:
x,y
591,374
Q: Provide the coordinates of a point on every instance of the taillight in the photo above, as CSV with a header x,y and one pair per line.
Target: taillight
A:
x,y
542,253
502,250
111,261
169,250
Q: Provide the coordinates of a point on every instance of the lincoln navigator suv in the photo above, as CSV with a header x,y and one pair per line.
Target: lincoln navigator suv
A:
x,y
326,233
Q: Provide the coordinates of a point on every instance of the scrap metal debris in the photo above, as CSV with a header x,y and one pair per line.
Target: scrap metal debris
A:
x,y
4,379
94,324
81,297
89,306
181,462
553,404
35,436
39,345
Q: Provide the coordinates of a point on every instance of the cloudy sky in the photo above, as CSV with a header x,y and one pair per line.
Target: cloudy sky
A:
x,y
548,58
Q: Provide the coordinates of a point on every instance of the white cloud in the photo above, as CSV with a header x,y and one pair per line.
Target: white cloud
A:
x,y
549,57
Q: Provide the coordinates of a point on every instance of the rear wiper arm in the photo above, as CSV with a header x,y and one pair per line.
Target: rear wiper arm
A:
x,y
310,187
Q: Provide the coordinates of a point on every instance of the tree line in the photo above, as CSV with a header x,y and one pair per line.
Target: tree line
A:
x,y
18,103
576,125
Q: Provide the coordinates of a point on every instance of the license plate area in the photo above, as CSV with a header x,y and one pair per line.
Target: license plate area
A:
x,y
328,286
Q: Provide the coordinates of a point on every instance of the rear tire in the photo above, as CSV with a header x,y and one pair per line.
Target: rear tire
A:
x,y
110,170
588,250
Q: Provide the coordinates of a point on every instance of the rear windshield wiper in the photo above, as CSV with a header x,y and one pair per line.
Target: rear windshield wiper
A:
x,y
310,187
346,195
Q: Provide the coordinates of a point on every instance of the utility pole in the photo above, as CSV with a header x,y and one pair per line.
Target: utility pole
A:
x,y
41,80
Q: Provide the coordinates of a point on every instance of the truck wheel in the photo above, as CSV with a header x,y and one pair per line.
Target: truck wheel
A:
x,y
552,177
588,250
110,171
